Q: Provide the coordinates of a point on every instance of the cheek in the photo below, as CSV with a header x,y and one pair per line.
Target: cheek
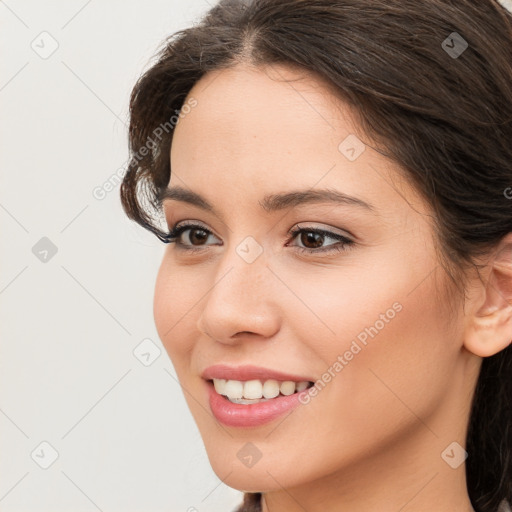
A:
x,y
173,303
376,339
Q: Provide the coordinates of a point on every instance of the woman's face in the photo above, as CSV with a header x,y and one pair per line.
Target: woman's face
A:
x,y
366,320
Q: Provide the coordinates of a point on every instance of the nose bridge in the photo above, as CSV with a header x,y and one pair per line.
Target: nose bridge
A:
x,y
243,267
240,297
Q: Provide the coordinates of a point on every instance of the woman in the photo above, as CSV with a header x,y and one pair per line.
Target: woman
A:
x,y
336,295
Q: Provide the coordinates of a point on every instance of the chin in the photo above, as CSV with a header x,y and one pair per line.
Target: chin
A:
x,y
263,476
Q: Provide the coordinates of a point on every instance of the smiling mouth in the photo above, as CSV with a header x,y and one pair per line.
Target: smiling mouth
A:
x,y
257,390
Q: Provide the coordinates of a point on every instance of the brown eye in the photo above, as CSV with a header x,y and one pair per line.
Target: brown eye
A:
x,y
197,235
311,239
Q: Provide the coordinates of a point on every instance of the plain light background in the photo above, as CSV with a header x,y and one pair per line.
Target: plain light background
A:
x,y
90,418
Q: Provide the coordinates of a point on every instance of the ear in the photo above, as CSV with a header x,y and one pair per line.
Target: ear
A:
x,y
488,327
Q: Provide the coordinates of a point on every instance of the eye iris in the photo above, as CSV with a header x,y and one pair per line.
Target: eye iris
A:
x,y
202,237
312,237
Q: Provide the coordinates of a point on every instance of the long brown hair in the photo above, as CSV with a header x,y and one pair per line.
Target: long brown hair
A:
x,y
431,81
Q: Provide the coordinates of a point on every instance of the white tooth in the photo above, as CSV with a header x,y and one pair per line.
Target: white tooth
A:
x,y
301,386
234,389
219,385
270,388
252,389
287,387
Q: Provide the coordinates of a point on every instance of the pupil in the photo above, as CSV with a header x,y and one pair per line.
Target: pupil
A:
x,y
315,238
196,231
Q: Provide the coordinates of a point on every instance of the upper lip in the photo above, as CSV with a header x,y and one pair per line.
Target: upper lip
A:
x,y
248,372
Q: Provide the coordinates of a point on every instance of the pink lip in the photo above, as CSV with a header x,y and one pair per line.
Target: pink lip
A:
x,y
251,415
249,372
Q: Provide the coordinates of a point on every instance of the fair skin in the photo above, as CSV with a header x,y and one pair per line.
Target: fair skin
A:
x,y
372,439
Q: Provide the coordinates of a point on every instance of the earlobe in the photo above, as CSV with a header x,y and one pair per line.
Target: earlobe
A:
x,y
489,325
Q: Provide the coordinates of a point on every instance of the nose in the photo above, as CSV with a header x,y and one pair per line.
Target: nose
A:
x,y
241,303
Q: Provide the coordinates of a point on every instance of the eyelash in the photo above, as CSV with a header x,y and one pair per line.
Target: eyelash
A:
x,y
344,244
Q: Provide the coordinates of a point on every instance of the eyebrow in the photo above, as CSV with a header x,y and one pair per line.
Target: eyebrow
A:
x,y
272,202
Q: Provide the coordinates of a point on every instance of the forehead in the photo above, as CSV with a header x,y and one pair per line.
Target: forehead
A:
x,y
258,131
270,105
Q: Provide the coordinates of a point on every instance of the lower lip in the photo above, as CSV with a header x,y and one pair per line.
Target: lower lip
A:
x,y
251,415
